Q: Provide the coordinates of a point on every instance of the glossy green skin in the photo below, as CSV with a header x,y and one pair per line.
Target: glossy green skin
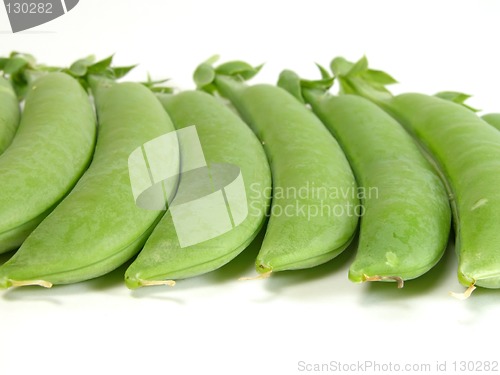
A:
x,y
493,119
406,225
51,150
9,114
468,151
98,226
302,153
225,138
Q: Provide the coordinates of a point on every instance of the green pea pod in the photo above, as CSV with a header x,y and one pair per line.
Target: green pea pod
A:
x,y
493,119
406,221
313,213
175,250
467,151
98,226
9,113
51,150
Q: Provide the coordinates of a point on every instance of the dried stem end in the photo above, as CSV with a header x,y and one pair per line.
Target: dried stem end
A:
x,y
156,282
464,295
261,276
397,279
43,283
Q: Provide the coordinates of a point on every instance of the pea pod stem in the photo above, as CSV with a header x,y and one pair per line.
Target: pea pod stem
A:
x,y
42,283
399,280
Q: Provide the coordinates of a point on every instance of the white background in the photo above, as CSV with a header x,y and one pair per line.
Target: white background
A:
x,y
215,323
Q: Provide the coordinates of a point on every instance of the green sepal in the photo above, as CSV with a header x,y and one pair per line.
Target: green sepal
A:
x,y
157,86
290,81
83,69
456,97
325,74
206,73
19,69
80,67
238,69
357,78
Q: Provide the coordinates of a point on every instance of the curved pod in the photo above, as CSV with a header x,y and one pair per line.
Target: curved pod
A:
x,y
98,226
51,150
9,114
406,223
313,214
174,253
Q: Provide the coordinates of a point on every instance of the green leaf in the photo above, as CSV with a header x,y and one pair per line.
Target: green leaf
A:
x,y
456,97
359,67
79,67
153,85
122,71
325,74
238,69
290,81
232,68
162,90
100,66
212,60
320,84
358,79
380,77
453,96
249,74
26,56
15,65
204,75
340,66
3,62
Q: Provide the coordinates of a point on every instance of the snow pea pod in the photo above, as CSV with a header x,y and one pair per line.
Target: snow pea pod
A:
x,y
98,226
225,140
51,150
467,151
312,216
405,227
9,113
